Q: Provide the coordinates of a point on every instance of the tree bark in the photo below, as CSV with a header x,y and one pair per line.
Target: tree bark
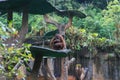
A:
x,y
61,28
50,68
24,29
22,33
64,68
36,67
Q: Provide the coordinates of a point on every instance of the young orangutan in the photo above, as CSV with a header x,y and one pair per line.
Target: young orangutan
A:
x,y
57,42
80,72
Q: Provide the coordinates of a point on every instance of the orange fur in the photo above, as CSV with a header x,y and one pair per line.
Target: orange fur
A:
x,y
57,42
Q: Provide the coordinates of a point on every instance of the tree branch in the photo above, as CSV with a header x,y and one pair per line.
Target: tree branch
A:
x,y
69,22
50,21
71,61
60,27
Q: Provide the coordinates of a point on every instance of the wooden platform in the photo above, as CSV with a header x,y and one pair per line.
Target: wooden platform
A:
x,y
42,51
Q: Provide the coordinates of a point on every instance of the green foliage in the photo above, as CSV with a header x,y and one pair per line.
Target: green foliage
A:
x,y
7,32
11,56
36,22
94,22
77,38
96,30
112,15
3,19
3,33
17,21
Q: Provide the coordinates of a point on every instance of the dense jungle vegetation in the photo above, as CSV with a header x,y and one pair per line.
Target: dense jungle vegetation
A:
x,y
100,30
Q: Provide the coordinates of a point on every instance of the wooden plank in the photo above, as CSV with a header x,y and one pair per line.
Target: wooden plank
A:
x,y
38,50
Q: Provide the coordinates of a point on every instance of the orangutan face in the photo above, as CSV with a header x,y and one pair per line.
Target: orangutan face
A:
x,y
57,42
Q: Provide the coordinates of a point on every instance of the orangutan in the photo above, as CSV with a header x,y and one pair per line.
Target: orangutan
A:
x,y
57,42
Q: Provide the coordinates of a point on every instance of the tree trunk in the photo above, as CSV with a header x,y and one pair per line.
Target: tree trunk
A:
x,y
61,28
24,29
36,67
22,32
50,68
64,68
